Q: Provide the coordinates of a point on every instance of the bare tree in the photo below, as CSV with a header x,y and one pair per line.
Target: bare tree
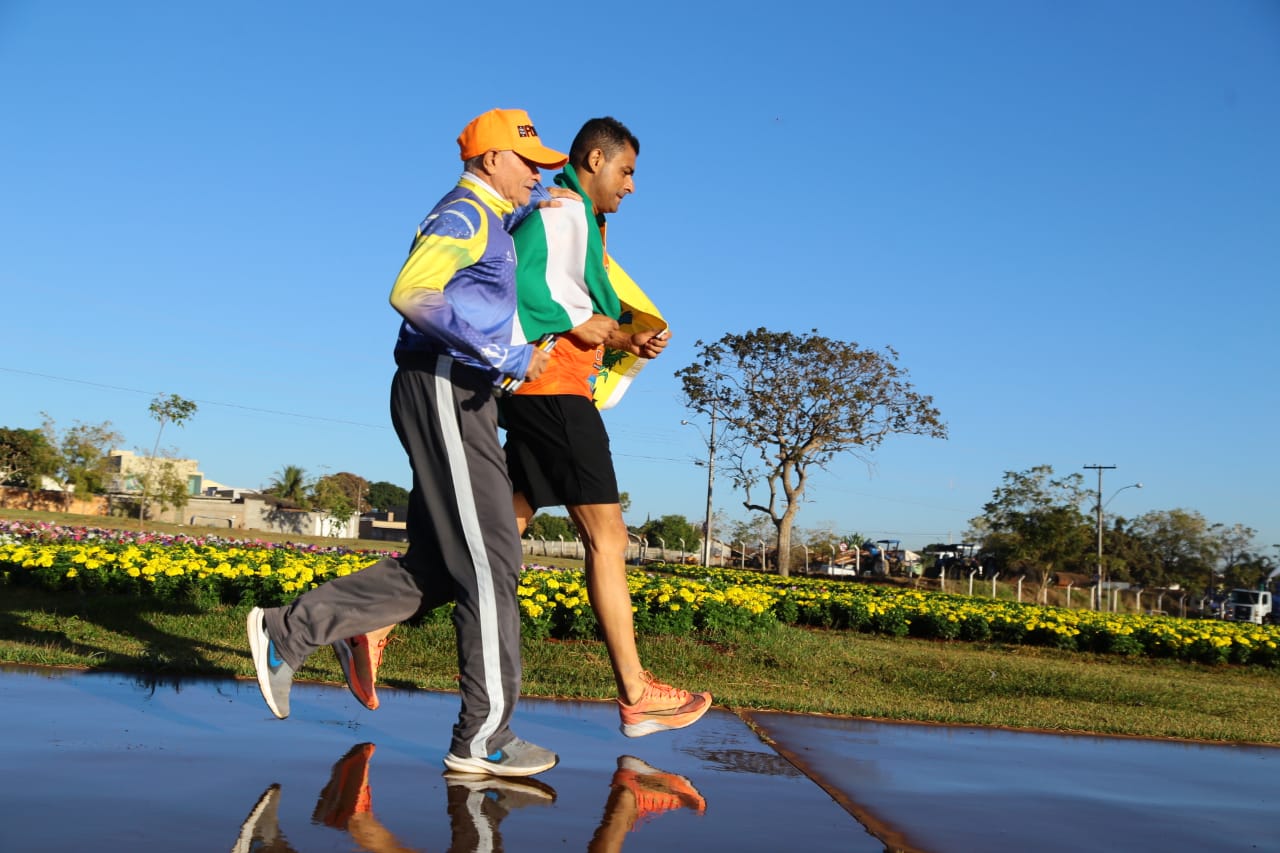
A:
x,y
165,409
793,402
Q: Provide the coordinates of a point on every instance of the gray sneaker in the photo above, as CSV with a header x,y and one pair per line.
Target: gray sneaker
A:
x,y
274,675
518,758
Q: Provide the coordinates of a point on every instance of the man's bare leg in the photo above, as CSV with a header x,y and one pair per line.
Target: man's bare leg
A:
x,y
646,705
605,536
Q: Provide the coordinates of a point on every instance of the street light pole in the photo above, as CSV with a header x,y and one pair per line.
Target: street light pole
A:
x,y
711,483
1118,491
1100,507
1099,469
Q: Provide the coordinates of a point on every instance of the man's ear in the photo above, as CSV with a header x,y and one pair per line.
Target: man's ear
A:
x,y
594,160
490,161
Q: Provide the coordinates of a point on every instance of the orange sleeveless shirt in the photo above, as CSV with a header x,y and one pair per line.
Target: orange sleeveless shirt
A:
x,y
572,369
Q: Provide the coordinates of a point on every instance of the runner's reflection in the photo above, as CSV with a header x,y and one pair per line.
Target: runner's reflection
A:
x,y
477,806
638,793
260,831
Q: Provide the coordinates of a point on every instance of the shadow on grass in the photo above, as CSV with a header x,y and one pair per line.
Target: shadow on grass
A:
x,y
103,632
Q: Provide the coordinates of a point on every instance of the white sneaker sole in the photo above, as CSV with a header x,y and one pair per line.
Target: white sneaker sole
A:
x,y
649,727
259,650
493,768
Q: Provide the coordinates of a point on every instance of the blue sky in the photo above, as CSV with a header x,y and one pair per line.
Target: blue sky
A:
x,y
1064,216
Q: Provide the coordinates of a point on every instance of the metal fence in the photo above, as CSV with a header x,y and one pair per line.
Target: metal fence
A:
x,y
637,552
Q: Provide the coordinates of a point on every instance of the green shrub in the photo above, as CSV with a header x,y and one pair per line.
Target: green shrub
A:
x,y
891,622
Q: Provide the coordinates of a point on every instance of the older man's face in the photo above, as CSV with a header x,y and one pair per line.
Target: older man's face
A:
x,y
514,177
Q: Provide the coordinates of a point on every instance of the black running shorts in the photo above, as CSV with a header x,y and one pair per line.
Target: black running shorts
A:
x,y
558,450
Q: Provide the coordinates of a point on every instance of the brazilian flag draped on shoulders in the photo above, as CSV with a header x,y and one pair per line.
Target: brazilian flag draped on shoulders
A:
x,y
561,280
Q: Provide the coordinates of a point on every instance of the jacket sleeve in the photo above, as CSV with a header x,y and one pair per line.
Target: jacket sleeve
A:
x,y
450,240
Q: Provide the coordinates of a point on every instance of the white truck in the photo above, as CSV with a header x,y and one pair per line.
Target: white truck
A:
x,y
1248,605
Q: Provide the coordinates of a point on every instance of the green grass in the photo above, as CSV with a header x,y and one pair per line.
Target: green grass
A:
x,y
785,668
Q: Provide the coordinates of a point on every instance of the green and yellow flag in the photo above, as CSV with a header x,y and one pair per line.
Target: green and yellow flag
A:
x,y
638,314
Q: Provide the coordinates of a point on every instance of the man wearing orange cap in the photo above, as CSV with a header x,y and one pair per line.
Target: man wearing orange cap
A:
x,y
456,294
557,447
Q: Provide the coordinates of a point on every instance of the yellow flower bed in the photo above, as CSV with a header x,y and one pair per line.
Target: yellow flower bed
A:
x,y
555,602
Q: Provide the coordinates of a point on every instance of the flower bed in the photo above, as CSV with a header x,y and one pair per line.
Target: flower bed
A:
x,y
205,568
553,602
901,612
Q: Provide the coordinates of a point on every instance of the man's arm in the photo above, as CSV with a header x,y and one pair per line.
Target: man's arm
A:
x,y
539,198
450,241
646,344
596,330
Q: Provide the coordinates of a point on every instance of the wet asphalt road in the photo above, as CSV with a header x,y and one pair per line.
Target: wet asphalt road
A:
x,y
108,762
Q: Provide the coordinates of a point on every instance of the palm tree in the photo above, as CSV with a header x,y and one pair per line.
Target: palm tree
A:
x,y
289,483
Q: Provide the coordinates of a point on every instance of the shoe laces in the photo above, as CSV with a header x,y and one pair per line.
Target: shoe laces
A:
x,y
654,687
375,649
661,792
651,803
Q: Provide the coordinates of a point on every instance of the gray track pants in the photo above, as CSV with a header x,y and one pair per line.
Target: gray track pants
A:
x,y
463,547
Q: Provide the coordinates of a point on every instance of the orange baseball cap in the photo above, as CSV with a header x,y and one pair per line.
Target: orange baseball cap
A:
x,y
508,130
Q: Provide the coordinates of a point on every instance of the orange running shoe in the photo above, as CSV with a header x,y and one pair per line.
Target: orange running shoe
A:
x,y
655,792
661,708
348,790
360,661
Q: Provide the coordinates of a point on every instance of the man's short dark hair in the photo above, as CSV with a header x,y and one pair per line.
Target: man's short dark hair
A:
x,y
607,133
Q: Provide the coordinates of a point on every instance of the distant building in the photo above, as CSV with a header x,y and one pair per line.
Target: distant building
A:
x,y
234,509
383,526
211,504
126,469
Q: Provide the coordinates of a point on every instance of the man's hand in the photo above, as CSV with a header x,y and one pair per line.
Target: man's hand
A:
x,y
648,344
558,193
651,344
594,331
537,364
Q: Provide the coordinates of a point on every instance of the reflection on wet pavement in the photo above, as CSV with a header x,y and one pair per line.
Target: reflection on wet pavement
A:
x,y
477,805
201,764
108,762
640,792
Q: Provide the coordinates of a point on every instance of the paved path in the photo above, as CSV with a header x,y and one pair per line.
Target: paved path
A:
x,y
106,762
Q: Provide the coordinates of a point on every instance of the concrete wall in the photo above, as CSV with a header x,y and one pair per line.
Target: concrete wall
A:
x,y
52,501
239,514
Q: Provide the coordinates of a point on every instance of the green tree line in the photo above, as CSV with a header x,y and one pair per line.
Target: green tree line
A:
x,y
1038,524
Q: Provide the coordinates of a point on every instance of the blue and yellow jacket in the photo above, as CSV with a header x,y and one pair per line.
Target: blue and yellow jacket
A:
x,y
457,290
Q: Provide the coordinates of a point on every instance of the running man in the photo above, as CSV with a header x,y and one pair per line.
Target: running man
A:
x,y
557,447
456,294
